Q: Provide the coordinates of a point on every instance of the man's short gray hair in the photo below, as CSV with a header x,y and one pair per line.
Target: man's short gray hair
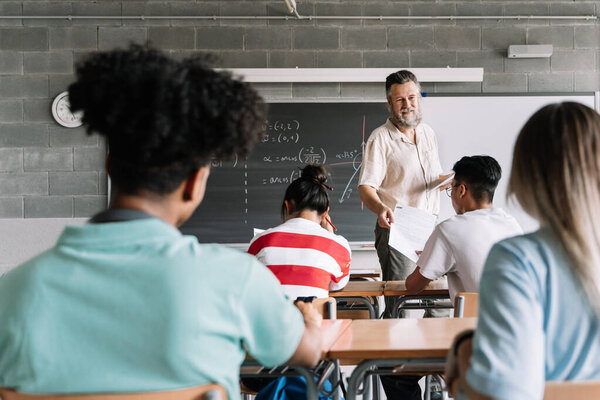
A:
x,y
400,77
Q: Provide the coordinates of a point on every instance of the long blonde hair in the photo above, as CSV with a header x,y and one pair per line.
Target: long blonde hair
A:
x,y
556,178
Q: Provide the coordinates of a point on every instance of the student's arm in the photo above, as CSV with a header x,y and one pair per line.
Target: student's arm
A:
x,y
342,254
308,352
460,364
369,196
416,282
273,329
435,260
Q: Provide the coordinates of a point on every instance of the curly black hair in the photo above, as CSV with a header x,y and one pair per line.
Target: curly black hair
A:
x,y
163,118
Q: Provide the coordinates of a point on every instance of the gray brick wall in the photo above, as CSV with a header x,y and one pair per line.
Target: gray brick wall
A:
x,y
50,171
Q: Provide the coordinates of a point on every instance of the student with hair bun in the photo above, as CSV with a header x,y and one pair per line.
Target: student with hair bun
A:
x,y
303,252
126,303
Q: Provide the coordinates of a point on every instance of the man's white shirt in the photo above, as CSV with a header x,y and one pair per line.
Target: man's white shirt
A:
x,y
459,246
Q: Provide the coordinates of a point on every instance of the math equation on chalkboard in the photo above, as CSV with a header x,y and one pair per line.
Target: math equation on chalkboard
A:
x,y
243,194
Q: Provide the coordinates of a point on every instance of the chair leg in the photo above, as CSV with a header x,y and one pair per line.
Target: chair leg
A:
x,y
427,387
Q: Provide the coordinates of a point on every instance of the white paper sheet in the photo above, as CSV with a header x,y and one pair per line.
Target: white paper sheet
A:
x,y
410,231
444,182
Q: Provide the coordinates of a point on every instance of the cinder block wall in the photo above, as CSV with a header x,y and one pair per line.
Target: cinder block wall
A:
x,y
50,171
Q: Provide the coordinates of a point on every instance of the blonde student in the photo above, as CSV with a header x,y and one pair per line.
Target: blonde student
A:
x,y
304,253
539,309
126,303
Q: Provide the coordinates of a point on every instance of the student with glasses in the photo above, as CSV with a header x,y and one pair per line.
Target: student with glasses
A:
x,y
459,245
539,308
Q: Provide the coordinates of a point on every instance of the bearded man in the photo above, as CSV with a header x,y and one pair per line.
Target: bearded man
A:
x,y
400,166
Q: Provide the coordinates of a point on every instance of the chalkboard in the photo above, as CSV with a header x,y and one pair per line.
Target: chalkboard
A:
x,y
247,194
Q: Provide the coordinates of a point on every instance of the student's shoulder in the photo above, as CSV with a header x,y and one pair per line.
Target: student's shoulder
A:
x,y
339,239
23,281
315,229
532,254
222,257
528,243
451,224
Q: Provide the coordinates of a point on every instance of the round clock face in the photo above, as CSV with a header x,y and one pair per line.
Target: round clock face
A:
x,y
61,111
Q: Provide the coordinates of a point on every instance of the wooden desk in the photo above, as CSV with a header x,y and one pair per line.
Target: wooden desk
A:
x,y
436,290
365,292
398,288
331,331
359,289
392,342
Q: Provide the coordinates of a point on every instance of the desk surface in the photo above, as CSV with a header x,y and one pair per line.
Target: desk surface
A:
x,y
360,289
331,331
399,338
388,288
398,288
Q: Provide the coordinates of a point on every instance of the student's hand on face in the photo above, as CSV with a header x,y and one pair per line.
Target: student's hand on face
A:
x,y
385,218
325,218
310,313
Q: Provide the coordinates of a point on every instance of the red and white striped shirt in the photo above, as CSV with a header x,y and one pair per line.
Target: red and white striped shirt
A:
x,y
307,259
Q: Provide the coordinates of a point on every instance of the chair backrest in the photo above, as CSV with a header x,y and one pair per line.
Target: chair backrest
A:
x,y
326,307
572,390
466,304
204,392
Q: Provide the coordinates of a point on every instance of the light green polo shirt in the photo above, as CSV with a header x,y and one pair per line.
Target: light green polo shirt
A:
x,y
136,306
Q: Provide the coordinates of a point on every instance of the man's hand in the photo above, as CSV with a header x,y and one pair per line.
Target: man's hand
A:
x,y
385,217
443,178
369,196
310,314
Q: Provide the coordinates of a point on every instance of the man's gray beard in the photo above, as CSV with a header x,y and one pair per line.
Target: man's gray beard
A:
x,y
405,123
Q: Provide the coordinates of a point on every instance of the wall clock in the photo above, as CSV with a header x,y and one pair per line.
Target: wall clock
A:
x,y
61,111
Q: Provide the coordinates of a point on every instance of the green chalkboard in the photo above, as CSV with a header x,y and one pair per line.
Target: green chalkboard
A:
x,y
246,194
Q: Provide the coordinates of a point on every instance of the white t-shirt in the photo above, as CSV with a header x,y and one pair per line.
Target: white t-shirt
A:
x,y
459,246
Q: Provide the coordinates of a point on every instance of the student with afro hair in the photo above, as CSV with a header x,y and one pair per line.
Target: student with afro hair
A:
x,y
126,303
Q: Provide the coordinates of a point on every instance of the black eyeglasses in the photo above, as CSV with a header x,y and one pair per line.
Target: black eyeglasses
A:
x,y
449,189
